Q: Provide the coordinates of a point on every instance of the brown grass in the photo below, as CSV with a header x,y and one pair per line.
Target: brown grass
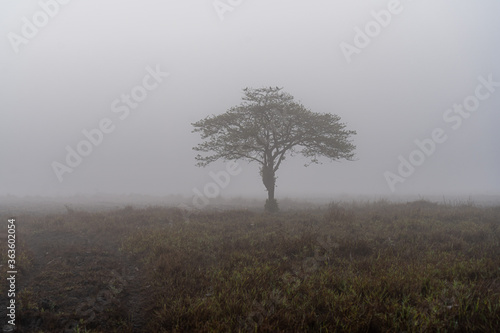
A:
x,y
372,267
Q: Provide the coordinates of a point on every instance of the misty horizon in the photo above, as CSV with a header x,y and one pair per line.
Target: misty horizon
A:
x,y
420,87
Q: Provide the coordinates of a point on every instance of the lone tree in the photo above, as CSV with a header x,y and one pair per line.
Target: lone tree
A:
x,y
267,127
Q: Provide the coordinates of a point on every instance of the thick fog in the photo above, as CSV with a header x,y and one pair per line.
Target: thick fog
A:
x,y
394,71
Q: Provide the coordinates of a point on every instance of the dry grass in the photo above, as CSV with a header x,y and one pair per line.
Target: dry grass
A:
x,y
373,267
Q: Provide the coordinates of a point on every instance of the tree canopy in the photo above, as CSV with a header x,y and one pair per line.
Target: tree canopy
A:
x,y
267,127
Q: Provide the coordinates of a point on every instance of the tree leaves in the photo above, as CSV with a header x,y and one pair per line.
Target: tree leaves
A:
x,y
269,125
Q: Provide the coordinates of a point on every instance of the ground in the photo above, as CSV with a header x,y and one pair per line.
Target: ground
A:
x,y
372,267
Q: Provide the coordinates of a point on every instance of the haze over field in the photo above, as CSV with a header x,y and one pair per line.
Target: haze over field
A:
x,y
393,84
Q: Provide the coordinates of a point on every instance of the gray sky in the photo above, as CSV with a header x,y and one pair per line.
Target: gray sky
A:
x,y
65,77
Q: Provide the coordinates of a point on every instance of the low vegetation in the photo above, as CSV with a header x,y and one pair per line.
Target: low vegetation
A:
x,y
371,267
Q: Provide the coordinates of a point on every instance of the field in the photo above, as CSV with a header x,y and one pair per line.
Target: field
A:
x,y
351,267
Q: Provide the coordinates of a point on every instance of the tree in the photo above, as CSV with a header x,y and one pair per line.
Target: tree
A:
x,y
267,127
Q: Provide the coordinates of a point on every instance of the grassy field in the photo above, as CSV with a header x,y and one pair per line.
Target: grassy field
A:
x,y
358,267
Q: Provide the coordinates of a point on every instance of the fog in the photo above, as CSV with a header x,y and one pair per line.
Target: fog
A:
x,y
69,73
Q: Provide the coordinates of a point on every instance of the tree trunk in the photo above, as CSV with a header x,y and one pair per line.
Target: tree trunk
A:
x,y
270,194
269,180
